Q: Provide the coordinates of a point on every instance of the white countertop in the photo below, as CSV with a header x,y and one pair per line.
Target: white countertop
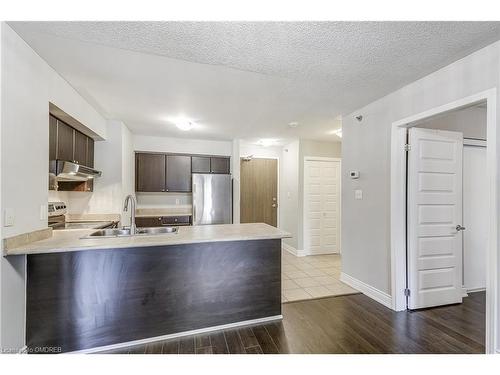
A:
x,y
65,241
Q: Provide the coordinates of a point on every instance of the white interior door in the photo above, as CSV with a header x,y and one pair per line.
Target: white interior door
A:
x,y
321,206
434,212
476,217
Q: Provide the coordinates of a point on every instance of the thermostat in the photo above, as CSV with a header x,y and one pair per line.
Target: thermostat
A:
x,y
354,174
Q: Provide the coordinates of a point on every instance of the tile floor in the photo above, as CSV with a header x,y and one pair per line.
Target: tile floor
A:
x,y
311,277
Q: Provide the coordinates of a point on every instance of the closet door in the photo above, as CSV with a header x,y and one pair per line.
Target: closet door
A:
x,y
322,206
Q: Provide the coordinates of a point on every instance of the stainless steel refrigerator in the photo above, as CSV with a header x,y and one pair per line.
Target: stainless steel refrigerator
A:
x,y
212,199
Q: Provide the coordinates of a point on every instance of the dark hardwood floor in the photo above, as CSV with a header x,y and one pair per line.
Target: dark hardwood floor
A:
x,y
345,324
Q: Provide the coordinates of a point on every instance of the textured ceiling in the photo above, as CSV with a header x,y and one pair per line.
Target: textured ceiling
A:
x,y
246,80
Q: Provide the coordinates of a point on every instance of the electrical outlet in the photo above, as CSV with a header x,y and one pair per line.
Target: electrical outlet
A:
x,y
8,217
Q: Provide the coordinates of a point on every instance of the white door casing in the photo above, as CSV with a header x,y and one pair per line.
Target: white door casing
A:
x,y
434,211
321,206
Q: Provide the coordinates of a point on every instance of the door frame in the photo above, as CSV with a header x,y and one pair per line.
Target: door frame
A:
x,y
319,158
398,207
277,183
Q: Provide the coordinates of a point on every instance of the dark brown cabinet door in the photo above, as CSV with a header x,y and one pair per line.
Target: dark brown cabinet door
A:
x,y
80,149
178,173
90,152
64,141
176,220
52,138
219,165
144,222
200,164
150,172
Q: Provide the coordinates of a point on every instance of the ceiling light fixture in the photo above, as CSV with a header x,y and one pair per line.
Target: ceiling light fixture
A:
x,y
184,125
293,124
338,132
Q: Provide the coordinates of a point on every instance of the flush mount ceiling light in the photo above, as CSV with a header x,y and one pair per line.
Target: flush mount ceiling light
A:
x,y
181,122
293,124
184,125
338,132
266,142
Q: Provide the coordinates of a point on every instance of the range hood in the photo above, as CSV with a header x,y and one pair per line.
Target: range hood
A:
x,y
68,171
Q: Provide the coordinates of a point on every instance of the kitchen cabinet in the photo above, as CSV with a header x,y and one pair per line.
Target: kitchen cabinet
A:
x,y
161,172
178,173
52,138
150,172
210,164
64,142
80,148
219,165
200,164
69,144
159,221
90,153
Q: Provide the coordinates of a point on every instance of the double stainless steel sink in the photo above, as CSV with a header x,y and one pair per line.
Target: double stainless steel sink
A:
x,y
125,232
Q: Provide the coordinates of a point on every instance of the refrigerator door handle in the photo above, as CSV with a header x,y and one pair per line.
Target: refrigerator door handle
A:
x,y
194,214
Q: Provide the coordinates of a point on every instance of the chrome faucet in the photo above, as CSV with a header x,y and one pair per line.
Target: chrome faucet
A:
x,y
131,198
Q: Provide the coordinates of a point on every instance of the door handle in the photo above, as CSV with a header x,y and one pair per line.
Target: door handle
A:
x,y
459,228
274,205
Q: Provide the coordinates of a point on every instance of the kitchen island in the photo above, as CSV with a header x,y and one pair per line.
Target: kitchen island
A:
x,y
90,294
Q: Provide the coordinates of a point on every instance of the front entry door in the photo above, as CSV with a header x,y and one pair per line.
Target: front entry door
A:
x,y
258,191
434,218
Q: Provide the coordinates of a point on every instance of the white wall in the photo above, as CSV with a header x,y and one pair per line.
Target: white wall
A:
x,y
289,192
366,147
471,122
182,145
28,84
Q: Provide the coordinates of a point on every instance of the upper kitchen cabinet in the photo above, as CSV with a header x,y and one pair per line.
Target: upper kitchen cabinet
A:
x,y
80,148
219,165
178,173
52,138
150,172
200,164
69,144
157,172
64,150
90,152
210,164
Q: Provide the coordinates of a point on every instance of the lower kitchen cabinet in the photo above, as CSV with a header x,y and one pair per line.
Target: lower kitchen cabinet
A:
x,y
159,221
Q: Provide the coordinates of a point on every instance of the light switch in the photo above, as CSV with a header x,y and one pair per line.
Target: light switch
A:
x,y
358,194
8,217
177,201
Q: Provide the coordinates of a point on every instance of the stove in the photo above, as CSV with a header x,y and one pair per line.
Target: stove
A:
x,y
57,219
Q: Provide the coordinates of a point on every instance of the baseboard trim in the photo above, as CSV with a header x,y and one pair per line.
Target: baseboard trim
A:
x,y
474,290
176,335
375,294
292,250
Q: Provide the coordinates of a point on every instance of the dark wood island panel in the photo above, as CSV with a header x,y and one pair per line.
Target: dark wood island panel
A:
x,y
86,299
